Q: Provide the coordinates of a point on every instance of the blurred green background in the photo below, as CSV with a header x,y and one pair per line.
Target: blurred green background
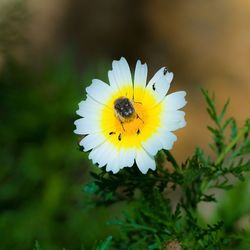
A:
x,y
50,51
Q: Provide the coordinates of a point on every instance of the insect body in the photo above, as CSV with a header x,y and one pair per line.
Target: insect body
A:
x,y
124,109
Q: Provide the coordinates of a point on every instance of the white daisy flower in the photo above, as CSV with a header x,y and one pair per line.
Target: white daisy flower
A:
x,y
128,121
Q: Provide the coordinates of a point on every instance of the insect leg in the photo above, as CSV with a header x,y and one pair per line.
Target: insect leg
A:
x,y
138,117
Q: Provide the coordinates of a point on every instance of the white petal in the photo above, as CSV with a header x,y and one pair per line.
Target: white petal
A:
x,y
175,100
144,161
89,107
99,154
113,166
125,70
172,126
127,157
96,155
115,159
141,71
153,144
176,115
92,141
167,139
87,126
120,75
112,80
173,120
100,91
113,163
160,87
119,159
156,76
162,139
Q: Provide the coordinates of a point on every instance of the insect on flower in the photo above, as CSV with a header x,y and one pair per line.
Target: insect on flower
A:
x,y
130,119
124,109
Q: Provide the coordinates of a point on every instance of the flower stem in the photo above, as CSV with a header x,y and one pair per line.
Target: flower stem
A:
x,y
171,159
223,154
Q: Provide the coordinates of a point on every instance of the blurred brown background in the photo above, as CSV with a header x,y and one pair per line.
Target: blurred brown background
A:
x,y
205,43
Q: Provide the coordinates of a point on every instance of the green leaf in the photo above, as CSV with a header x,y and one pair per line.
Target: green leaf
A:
x,y
37,246
91,188
224,109
105,245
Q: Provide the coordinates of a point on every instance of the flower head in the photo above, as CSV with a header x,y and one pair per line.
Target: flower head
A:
x,y
129,120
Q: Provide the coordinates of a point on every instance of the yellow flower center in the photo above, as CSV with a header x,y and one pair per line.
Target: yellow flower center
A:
x,y
130,132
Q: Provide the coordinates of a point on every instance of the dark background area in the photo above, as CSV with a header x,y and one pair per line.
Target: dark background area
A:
x,y
50,51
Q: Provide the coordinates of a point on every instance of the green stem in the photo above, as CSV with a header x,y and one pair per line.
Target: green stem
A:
x,y
132,226
171,159
223,154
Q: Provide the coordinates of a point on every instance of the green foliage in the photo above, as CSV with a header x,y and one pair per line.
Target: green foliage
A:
x,y
42,206
37,246
105,244
153,218
41,170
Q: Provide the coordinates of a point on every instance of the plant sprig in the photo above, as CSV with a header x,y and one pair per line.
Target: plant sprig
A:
x,y
155,220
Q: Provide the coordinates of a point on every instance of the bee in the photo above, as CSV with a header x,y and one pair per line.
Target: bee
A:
x,y
125,112
124,109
